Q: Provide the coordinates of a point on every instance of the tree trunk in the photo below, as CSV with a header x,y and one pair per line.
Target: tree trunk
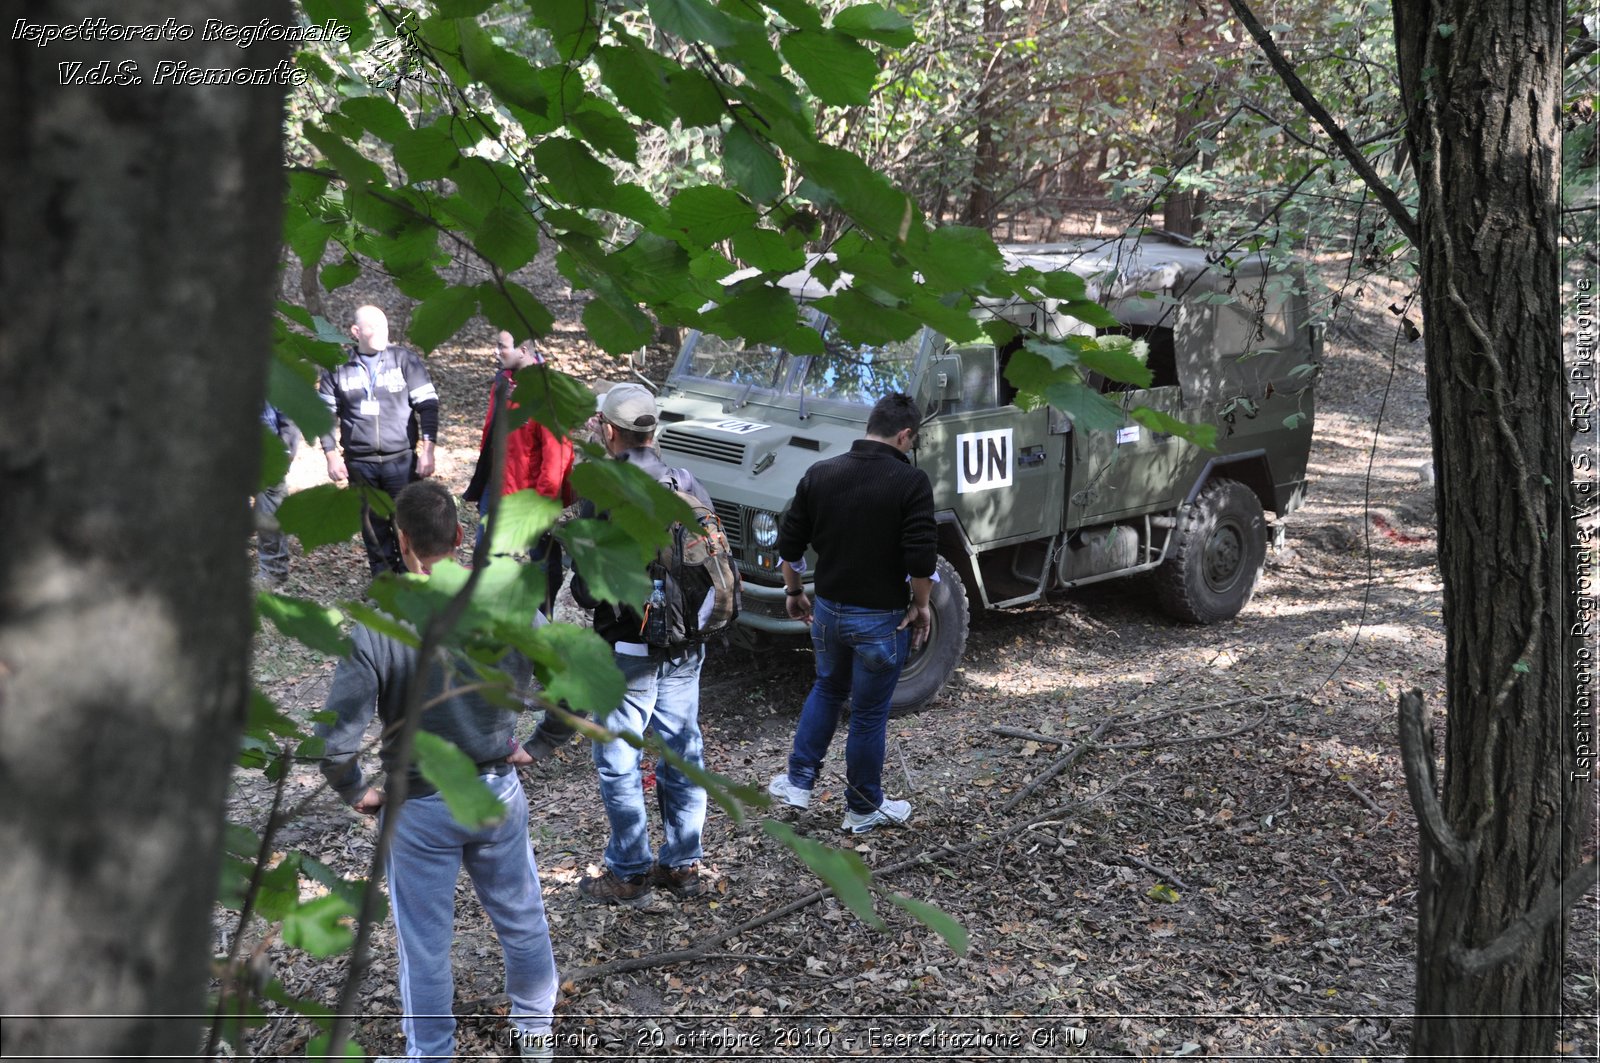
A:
x,y
1482,81
986,162
140,226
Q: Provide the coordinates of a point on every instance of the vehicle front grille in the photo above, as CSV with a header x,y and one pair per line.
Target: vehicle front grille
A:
x,y
703,447
732,518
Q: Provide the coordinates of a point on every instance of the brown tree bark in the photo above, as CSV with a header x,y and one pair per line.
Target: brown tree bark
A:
x,y
1482,81
140,236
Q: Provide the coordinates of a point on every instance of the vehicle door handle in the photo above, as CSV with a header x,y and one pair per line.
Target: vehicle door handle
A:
x,y
1028,456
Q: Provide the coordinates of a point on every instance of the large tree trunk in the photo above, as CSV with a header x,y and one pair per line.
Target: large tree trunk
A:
x,y
1483,85
140,235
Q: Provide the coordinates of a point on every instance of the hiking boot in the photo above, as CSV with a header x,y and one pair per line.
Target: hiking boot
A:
x,y
683,882
608,887
891,813
792,795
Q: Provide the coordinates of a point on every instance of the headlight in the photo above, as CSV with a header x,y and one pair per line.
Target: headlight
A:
x,y
764,527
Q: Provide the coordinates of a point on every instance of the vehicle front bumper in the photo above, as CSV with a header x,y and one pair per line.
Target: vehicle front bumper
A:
x,y
763,610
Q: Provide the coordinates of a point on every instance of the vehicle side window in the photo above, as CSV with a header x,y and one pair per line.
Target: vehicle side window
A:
x,y
1162,360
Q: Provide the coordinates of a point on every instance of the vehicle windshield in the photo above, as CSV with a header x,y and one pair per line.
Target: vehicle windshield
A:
x,y
735,362
859,372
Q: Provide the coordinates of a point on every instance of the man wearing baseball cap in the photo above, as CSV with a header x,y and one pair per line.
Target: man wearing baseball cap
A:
x,y
663,696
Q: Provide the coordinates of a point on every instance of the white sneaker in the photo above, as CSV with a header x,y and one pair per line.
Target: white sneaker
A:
x,y
781,787
541,1047
893,813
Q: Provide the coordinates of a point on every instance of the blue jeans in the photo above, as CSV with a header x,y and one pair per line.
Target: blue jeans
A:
x,y
428,850
663,696
859,655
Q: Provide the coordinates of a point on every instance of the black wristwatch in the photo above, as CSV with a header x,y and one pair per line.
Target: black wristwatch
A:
x,y
797,592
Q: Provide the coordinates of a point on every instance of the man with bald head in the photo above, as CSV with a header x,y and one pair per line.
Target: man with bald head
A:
x,y
387,416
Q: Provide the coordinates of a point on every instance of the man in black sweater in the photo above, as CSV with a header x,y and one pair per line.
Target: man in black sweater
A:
x,y
869,516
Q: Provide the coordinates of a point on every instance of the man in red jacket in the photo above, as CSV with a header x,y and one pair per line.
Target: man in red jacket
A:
x,y
535,459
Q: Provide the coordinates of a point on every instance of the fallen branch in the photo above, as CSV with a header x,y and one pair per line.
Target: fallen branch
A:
x,y
1369,802
1028,736
1190,739
709,947
1158,871
1061,764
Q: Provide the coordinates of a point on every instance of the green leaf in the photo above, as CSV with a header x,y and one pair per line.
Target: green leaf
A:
x,y
871,22
767,250
321,515
573,174
354,167
843,872
508,237
1293,420
1117,362
469,800
378,116
638,79
426,154
560,402
514,309
1201,435
607,132
520,518
694,99
462,8
341,273
751,166
863,320
441,317
571,24
310,623
1090,313
936,919
317,1048
839,70
382,623
958,257
708,213
1163,893
694,20
1446,30
509,76
319,926
279,890
610,561
760,315
274,460
617,328
297,398
1521,668
575,666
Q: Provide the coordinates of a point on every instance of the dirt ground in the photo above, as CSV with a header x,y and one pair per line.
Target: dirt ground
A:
x,y
1228,870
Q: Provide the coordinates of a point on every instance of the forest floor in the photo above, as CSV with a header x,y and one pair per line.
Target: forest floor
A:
x,y
1230,869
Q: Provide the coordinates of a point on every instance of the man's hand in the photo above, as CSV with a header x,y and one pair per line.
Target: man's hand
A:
x,y
336,470
918,618
798,606
519,757
425,459
369,803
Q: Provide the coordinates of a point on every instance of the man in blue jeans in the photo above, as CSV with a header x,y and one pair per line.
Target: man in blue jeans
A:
x,y
428,846
868,514
662,696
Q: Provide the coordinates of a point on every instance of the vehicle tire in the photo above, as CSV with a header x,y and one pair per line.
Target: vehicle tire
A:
x,y
929,668
1216,559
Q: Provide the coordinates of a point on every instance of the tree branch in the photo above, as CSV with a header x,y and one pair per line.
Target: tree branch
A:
x,y
1336,133
1416,757
1061,764
1548,907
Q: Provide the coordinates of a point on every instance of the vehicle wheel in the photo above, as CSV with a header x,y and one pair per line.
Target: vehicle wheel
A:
x,y
926,673
1215,562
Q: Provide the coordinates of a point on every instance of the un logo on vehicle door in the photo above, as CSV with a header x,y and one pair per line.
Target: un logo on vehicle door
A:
x,y
983,460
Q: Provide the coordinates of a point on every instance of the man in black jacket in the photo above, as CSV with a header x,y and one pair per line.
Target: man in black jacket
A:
x,y
868,514
387,416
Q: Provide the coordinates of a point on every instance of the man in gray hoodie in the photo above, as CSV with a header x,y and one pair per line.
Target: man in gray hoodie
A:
x,y
429,846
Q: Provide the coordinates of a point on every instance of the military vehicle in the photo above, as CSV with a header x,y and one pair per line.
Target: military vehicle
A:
x,y
1027,500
